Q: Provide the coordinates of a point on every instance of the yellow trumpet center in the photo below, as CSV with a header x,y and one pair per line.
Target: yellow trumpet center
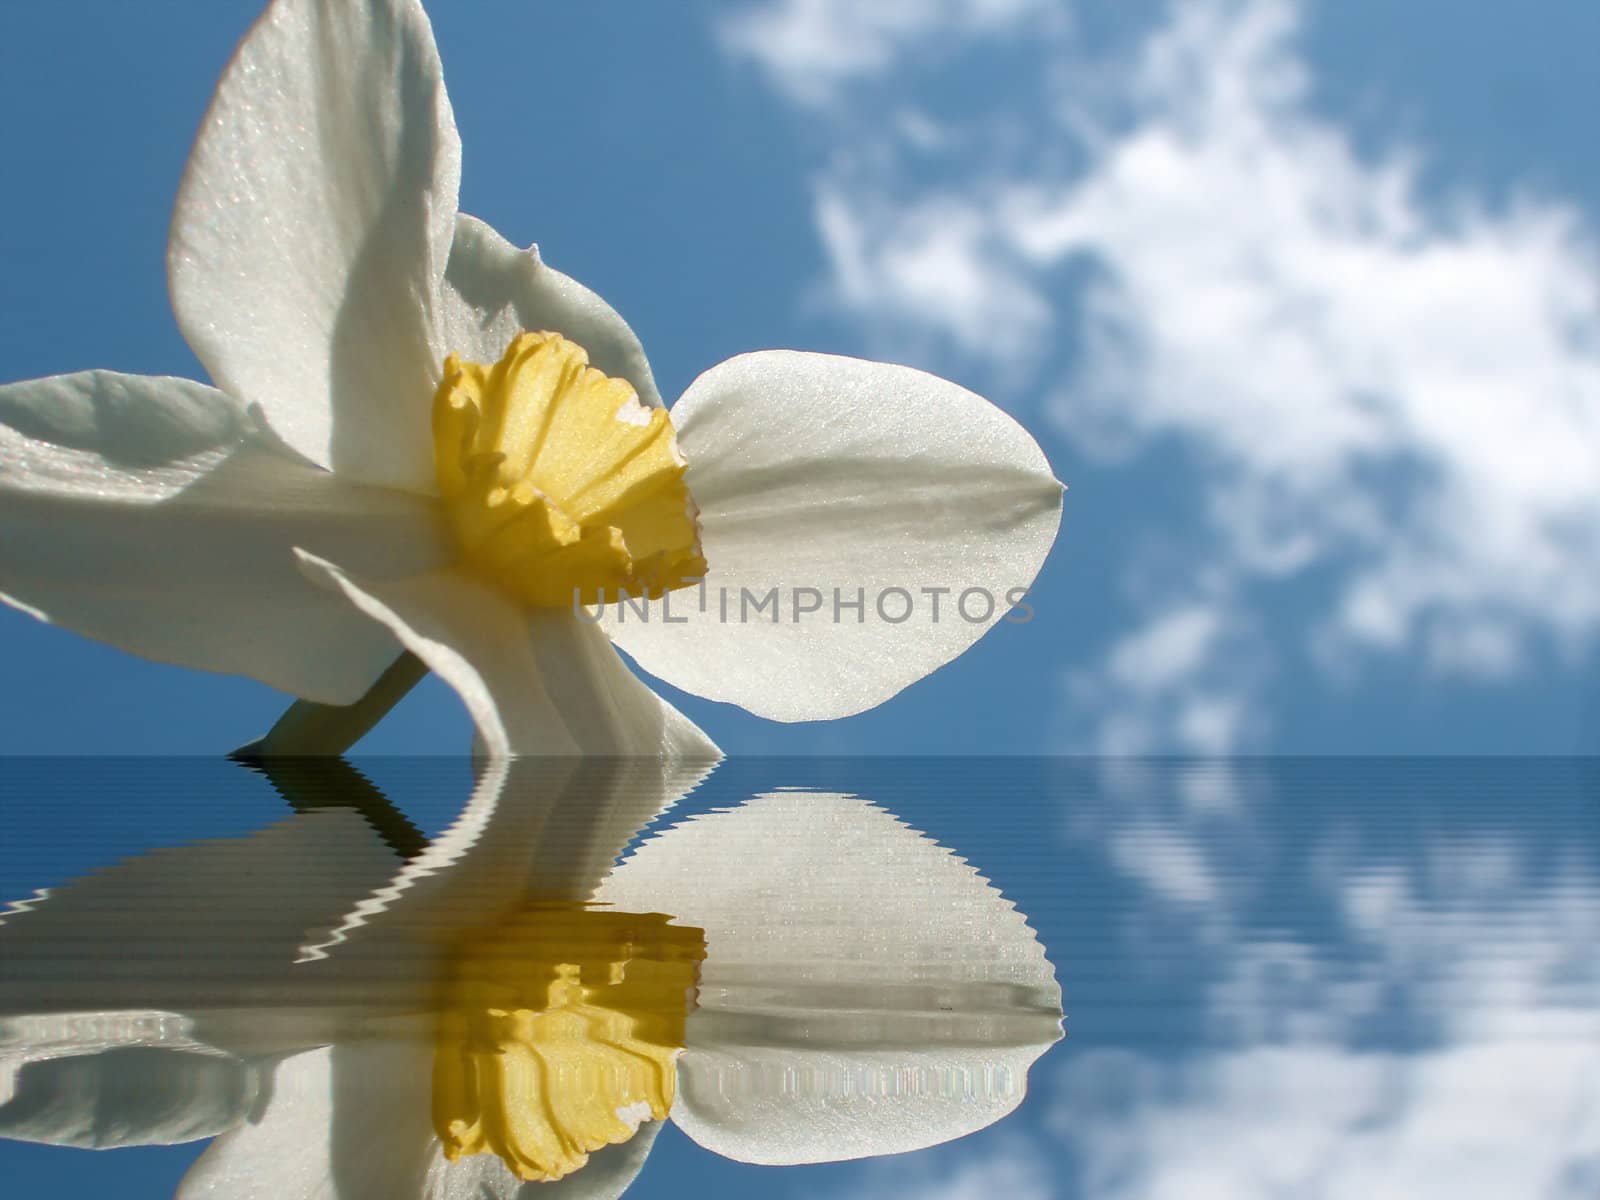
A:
x,y
557,1035
561,487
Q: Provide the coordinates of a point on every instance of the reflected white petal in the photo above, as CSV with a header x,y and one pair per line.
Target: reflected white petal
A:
x,y
182,928
348,1122
535,829
141,1093
864,992
826,473
609,1172
353,1122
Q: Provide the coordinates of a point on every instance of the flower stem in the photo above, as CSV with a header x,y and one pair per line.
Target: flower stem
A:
x,y
311,729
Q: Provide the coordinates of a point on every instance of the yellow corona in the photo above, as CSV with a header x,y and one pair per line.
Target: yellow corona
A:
x,y
559,1030
562,487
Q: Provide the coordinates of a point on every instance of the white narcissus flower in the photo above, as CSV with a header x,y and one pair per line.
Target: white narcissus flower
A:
x,y
861,991
389,459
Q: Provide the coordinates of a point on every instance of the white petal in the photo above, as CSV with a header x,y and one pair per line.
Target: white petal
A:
x,y
540,682
140,1095
348,1122
493,291
133,511
864,991
837,475
312,230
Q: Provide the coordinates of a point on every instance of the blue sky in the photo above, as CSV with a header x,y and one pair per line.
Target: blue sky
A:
x,y
1302,300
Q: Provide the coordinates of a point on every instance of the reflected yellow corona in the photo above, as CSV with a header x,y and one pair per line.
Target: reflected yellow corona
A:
x,y
559,1028
561,487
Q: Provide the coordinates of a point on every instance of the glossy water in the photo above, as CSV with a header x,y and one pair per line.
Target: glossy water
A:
x,y
1303,978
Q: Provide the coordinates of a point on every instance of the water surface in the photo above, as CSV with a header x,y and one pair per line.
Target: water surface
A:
x,y
1313,978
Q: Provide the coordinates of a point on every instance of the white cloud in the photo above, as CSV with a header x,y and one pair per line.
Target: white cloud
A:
x,y
934,274
1367,379
1479,941
1393,394
1166,861
813,48
1188,678
1018,1170
1439,1038
1171,649
1479,1122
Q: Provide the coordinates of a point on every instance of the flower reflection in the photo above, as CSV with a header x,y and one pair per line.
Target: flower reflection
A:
x,y
504,1007
558,1032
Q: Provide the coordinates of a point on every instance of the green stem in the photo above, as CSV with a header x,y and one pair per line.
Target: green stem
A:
x,y
309,729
